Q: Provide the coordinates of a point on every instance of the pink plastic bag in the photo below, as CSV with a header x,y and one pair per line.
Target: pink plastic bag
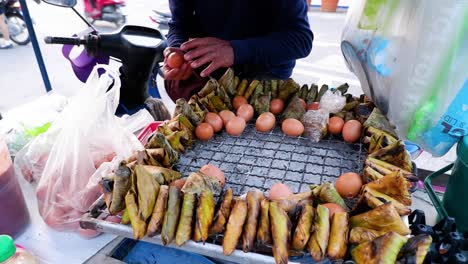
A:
x,y
89,144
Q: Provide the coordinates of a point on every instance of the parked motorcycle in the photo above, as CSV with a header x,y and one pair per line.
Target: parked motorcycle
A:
x,y
138,48
106,10
15,21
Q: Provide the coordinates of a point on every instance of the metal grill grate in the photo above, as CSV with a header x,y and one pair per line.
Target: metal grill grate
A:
x,y
258,160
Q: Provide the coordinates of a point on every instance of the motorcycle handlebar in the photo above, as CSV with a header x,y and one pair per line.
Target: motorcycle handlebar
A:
x,y
66,41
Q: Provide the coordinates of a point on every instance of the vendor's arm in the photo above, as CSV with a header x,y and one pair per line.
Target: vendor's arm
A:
x,y
181,22
292,37
179,32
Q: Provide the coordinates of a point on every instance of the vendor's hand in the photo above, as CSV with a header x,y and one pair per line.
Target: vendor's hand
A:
x,y
182,73
200,51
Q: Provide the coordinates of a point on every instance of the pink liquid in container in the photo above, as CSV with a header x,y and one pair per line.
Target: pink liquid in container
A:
x,y
14,216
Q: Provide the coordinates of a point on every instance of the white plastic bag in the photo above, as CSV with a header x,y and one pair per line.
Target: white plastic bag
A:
x,y
332,102
88,135
410,57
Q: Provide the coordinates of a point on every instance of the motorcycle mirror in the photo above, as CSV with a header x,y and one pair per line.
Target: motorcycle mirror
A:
x,y
61,3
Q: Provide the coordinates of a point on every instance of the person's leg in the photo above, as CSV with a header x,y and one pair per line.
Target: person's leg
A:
x,y
4,30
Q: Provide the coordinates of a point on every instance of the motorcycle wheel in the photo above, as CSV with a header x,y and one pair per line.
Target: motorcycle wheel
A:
x,y
17,21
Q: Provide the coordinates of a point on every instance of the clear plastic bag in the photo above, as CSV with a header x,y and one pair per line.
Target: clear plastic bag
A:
x,y
410,57
332,102
315,124
88,142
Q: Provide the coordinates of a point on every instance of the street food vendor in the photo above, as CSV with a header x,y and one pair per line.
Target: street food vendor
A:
x,y
260,39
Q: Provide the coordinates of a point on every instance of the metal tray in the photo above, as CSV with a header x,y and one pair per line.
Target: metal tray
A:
x,y
253,160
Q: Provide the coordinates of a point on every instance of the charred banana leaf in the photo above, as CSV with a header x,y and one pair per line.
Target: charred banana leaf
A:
x,y
121,187
148,189
217,102
321,232
274,89
208,105
234,226
379,121
179,140
371,199
312,94
267,86
197,107
184,229
205,214
236,84
382,218
163,175
338,243
106,185
387,168
223,94
415,250
242,87
326,193
360,235
227,81
303,92
303,229
182,107
382,250
280,232
395,154
182,123
363,111
223,213
350,106
138,225
171,217
294,109
198,182
369,174
257,93
254,199
288,88
171,156
209,87
292,204
153,157
394,185
321,92
159,211
263,232
262,104
251,89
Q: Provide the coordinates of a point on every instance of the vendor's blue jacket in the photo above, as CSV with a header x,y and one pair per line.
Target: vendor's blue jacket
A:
x,y
270,33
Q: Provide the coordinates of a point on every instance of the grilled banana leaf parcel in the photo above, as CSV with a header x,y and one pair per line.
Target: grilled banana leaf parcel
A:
x,y
338,243
280,231
394,185
223,213
326,193
254,199
148,190
159,211
205,214
163,175
360,235
184,228
121,186
234,226
321,232
303,229
415,250
264,232
171,217
383,218
382,250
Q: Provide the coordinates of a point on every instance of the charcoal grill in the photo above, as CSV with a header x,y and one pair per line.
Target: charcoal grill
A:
x,y
253,160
